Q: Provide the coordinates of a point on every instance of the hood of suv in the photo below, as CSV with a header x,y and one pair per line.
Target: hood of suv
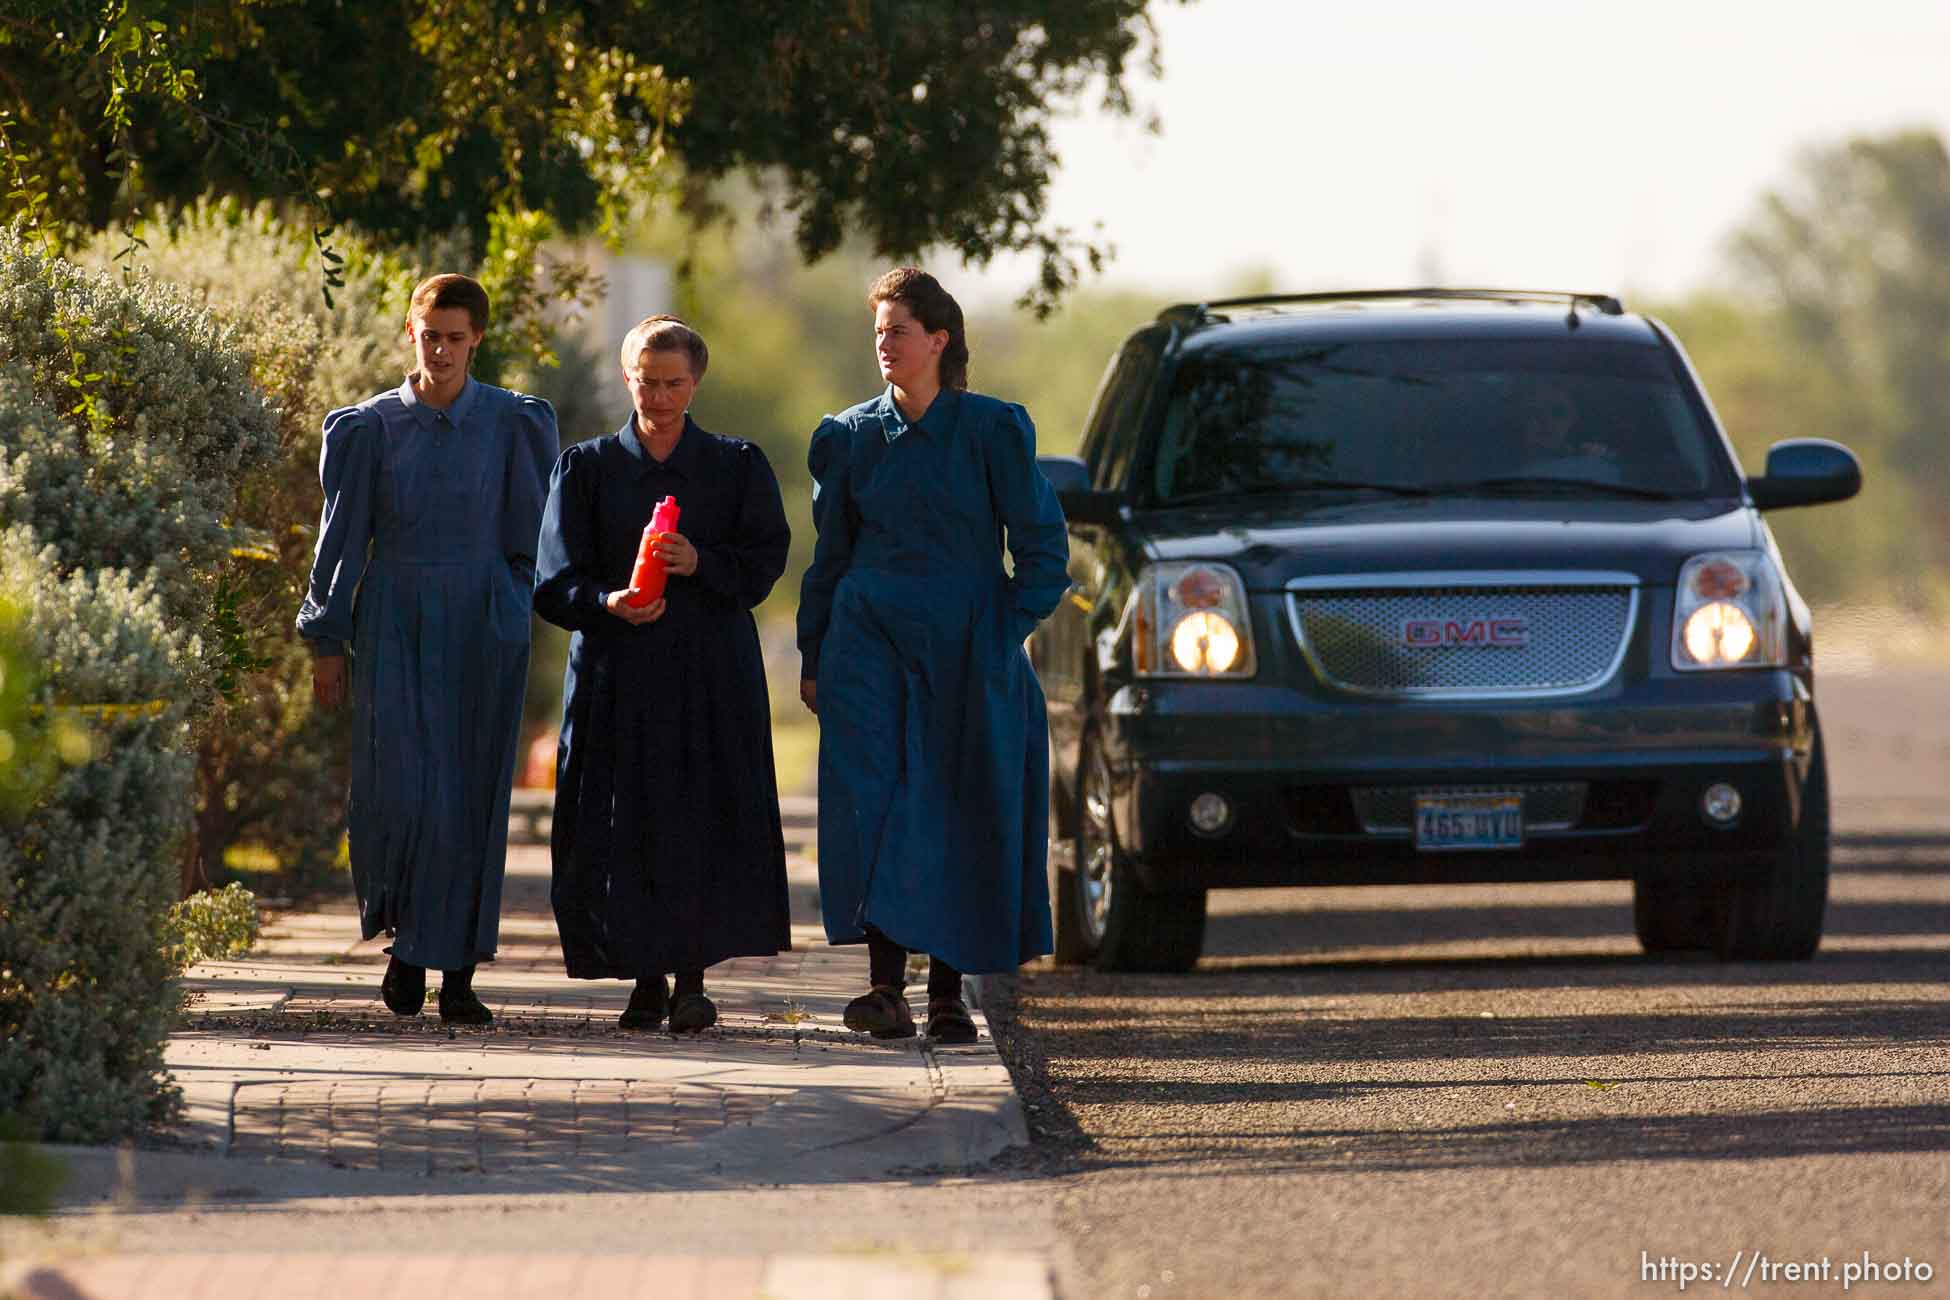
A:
x,y
1273,545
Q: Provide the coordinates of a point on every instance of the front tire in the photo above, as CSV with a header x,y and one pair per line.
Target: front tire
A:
x,y
1124,924
1078,929
1674,915
1779,916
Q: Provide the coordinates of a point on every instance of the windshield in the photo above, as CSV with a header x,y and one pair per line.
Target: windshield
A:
x,y
1407,417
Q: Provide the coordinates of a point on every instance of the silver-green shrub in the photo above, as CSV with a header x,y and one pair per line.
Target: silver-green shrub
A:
x,y
158,422
271,768
88,871
246,264
128,419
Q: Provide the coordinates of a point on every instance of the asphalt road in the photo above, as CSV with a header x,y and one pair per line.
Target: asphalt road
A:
x,y
1490,1092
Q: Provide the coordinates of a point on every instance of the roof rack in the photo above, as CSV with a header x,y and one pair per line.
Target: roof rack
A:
x,y
1192,313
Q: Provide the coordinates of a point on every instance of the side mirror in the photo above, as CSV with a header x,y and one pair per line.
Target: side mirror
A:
x,y
1071,479
1806,472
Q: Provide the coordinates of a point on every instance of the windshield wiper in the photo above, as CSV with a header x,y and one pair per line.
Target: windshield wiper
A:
x,y
1553,484
1294,486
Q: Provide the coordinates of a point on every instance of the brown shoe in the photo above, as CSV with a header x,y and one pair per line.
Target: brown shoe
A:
x,y
404,988
647,1003
458,1004
881,1011
691,1013
949,1021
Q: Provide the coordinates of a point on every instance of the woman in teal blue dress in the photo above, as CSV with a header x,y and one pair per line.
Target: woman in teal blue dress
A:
x,y
933,758
426,552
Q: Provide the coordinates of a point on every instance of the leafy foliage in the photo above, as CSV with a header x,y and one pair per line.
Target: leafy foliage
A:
x,y
1839,327
88,874
212,924
117,499
1053,366
909,123
148,421
26,752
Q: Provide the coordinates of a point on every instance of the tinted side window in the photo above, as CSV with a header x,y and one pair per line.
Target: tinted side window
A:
x,y
1117,420
1091,449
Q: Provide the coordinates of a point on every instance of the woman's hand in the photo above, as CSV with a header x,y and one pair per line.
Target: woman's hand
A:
x,y
809,693
677,553
328,681
631,614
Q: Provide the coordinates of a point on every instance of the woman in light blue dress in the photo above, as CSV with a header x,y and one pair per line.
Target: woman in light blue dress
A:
x,y
933,758
426,552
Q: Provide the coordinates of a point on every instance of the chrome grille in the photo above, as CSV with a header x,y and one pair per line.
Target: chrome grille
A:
x,y
1390,809
1357,637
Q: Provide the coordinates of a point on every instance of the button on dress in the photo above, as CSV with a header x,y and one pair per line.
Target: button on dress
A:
x,y
426,551
933,750
668,852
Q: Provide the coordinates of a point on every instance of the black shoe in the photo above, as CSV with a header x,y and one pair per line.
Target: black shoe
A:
x,y
647,1003
404,989
949,1021
881,1011
691,1013
458,1005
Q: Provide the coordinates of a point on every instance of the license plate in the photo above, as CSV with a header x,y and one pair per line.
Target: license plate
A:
x,y
1468,821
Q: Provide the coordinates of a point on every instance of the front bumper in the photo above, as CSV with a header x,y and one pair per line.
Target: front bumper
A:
x,y
1295,769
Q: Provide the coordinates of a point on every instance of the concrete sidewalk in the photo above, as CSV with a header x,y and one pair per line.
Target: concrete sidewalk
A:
x,y
304,1095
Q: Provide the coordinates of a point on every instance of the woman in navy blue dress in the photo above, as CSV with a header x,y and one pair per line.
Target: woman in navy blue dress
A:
x,y
667,846
933,758
426,551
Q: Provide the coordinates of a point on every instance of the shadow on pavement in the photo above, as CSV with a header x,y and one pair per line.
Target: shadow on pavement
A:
x,y
1340,1034
1309,935
1547,1144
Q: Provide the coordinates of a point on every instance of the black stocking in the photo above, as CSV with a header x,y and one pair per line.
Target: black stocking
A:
x,y
886,961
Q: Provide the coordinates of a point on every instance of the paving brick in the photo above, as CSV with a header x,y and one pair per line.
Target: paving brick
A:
x,y
553,1090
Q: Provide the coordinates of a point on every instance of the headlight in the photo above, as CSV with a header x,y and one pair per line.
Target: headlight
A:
x,y
1730,613
1191,621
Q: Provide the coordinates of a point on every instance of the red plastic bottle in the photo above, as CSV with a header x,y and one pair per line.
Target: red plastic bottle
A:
x,y
647,579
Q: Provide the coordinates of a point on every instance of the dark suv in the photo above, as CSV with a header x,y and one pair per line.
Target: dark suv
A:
x,y
1428,586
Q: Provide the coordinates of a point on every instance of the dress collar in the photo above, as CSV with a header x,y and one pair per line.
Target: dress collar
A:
x,y
428,416
937,418
682,460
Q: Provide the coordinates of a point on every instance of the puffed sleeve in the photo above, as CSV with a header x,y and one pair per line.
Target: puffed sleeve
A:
x,y
837,525
1039,538
567,591
348,471
745,567
533,450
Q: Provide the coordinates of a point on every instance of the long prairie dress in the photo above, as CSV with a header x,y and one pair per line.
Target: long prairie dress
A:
x,y
426,551
667,847
933,745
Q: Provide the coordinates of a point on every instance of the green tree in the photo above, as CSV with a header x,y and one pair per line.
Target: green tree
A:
x,y
1852,258
907,123
1767,384
1054,365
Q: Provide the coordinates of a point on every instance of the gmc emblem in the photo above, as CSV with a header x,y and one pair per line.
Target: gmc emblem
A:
x,y
1445,634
